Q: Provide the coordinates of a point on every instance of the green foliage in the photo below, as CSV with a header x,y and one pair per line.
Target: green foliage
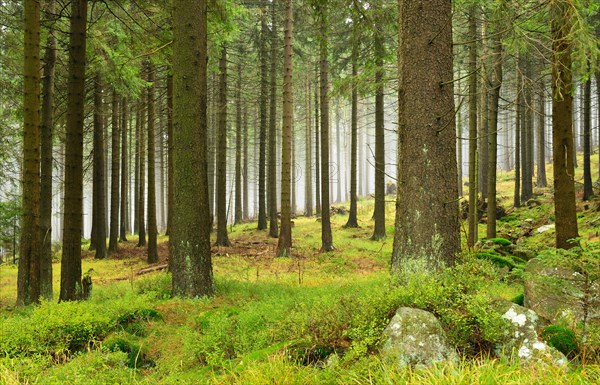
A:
x,y
562,338
500,241
509,262
120,344
519,299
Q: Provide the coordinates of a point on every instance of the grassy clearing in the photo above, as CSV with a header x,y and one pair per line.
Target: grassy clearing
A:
x,y
311,319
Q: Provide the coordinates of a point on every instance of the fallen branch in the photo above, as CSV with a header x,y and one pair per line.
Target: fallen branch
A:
x,y
152,268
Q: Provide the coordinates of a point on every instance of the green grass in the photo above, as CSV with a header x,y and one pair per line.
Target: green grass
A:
x,y
273,320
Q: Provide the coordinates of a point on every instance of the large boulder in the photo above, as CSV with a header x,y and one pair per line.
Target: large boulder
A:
x,y
415,338
555,292
521,339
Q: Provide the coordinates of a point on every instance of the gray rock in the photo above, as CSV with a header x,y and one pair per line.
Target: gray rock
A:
x,y
416,338
521,339
555,292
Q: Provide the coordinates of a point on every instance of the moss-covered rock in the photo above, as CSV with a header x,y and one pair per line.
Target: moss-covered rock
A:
x,y
561,338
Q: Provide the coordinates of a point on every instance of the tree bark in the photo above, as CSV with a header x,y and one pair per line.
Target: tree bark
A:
x,y
588,189
190,263
142,170
352,215
284,244
170,165
272,175
541,136
47,128
245,207
262,162
99,178
427,230
473,217
317,146
518,121
308,188
124,224
70,273
152,222
379,212
238,147
114,183
562,125
28,279
222,238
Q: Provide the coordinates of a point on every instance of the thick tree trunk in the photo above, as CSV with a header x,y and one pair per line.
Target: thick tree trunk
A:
x,y
222,238
114,182
326,236
272,175
190,262
70,272
427,230
124,224
284,245
473,217
152,223
99,178
47,128
562,125
262,162
28,280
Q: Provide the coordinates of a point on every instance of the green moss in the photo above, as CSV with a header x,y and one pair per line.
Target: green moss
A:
x,y
561,338
497,259
120,344
500,241
519,299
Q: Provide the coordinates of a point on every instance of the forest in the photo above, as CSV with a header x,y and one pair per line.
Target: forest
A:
x,y
299,192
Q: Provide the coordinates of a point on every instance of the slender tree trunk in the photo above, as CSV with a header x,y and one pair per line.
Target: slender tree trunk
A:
x,y
47,128
294,206
170,165
519,108
495,84
427,233
541,134
245,207
352,215
588,190
562,125
222,238
190,263
99,179
379,212
326,236
473,214
482,146
161,165
317,146
526,129
338,150
114,183
124,224
272,181
284,245
28,280
262,162
142,176
136,181
70,272
212,149
308,190
152,223
238,147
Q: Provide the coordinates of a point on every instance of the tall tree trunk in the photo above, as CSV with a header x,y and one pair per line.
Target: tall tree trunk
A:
x,y
541,135
99,179
294,205
326,236
494,98
136,182
482,146
245,207
272,175
284,244
28,280
238,146
562,125
379,212
161,165
70,272
152,223
222,238
317,145
338,150
262,162
526,135
588,190
473,214
308,189
114,183
352,215
170,165
190,262
212,149
427,230
47,128
519,108
142,169
124,224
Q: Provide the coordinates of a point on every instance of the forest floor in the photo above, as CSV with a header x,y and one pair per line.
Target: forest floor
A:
x,y
309,319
